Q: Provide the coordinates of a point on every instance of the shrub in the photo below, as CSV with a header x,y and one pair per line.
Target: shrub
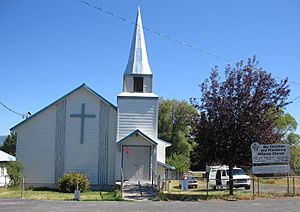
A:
x,y
117,194
68,183
15,172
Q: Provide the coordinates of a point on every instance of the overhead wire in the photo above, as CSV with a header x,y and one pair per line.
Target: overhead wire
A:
x,y
13,111
171,38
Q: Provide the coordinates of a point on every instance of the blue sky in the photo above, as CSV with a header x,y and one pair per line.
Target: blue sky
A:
x,y
49,47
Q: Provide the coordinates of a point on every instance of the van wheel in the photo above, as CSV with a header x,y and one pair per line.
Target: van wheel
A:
x,y
247,187
215,188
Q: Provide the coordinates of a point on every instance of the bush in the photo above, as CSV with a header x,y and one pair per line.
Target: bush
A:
x,y
117,194
68,183
15,172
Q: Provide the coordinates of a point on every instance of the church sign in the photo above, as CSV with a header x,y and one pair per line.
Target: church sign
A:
x,y
270,153
270,158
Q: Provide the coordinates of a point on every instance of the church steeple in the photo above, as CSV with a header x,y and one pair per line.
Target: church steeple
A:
x,y
138,74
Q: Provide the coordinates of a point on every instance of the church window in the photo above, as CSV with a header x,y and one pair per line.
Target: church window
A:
x,y
138,84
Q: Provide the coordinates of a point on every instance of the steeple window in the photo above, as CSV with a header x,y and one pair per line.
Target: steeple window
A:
x,y
138,84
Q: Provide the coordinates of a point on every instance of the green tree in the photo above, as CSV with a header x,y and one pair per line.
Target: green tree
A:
x,y
175,119
236,112
14,172
295,158
9,145
286,125
181,162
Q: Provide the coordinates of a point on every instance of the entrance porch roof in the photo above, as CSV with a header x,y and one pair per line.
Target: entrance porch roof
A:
x,y
166,166
137,132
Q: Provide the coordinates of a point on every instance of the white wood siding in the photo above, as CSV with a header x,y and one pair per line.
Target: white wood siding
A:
x,y
128,84
112,146
147,84
137,113
36,146
36,141
161,152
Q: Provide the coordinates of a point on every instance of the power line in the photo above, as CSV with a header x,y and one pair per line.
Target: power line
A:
x,y
13,111
171,38
298,97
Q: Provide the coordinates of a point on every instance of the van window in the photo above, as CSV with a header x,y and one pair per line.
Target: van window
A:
x,y
236,172
224,173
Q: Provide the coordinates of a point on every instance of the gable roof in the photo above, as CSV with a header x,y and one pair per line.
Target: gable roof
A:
x,y
71,92
137,132
4,157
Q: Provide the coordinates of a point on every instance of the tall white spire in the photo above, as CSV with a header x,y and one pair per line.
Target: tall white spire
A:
x,y
138,60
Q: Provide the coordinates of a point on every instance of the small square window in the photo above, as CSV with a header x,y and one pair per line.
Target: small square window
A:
x,y
138,84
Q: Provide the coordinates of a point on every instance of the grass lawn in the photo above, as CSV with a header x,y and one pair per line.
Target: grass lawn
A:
x,y
12,193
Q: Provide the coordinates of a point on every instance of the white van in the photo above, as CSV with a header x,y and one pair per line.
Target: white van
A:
x,y
219,178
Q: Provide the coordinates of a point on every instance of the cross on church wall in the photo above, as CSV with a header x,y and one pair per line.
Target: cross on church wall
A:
x,y
82,116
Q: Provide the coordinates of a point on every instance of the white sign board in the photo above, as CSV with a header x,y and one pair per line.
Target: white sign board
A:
x,y
271,169
270,153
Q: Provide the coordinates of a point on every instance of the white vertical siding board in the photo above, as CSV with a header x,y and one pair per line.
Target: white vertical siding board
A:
x,y
103,145
60,139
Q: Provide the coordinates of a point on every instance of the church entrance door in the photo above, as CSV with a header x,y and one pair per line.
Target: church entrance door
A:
x,y
136,162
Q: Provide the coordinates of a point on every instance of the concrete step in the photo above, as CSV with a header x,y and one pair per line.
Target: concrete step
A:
x,y
143,192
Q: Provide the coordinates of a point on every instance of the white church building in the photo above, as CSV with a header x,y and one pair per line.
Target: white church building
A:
x,y
83,132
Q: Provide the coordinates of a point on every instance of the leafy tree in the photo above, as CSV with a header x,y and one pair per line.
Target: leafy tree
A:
x,y
286,125
236,112
295,158
175,120
9,145
14,172
181,162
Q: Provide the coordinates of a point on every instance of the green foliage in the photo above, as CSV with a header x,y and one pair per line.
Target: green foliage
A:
x,y
68,183
15,173
286,125
180,161
9,145
117,194
175,120
295,158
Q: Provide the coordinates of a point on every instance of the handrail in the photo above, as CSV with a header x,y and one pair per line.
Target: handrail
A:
x,y
153,175
140,188
122,181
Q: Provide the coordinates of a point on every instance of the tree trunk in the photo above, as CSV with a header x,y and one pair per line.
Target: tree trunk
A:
x,y
230,179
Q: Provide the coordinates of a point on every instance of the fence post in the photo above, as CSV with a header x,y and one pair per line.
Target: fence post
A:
x,y
207,188
158,182
122,180
22,188
288,185
253,180
294,186
258,186
5,184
